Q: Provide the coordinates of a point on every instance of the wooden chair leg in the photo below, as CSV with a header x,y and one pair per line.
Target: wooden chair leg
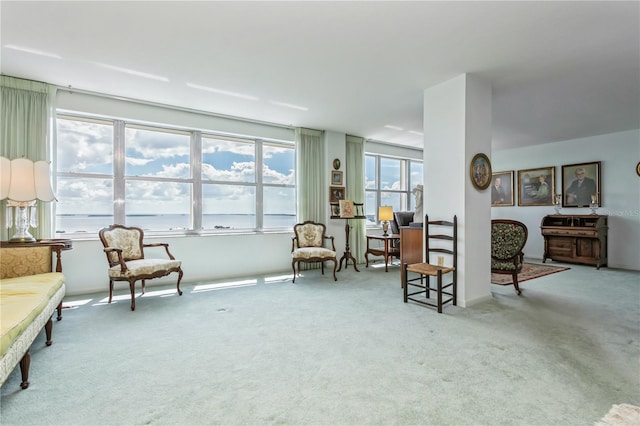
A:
x,y
293,265
515,283
439,291
335,265
403,281
132,287
59,312
110,290
180,273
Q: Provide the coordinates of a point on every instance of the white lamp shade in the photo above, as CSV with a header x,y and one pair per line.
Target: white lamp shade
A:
x,y
23,180
385,213
44,191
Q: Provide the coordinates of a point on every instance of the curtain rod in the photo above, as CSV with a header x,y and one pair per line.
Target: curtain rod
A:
x,y
73,90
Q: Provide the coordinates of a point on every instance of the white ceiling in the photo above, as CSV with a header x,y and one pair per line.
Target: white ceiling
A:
x,y
559,70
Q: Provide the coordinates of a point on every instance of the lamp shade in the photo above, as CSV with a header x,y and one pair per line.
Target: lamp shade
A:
x,y
385,213
25,180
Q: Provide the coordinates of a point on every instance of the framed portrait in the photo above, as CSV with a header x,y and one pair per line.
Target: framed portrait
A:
x,y
336,163
480,171
581,185
359,209
502,189
346,208
336,193
336,178
335,209
536,187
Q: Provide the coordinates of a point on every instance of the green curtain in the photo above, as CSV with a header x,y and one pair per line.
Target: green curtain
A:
x,y
310,169
310,173
355,192
26,113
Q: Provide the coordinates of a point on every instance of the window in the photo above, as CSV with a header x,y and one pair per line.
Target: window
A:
x,y
169,180
388,182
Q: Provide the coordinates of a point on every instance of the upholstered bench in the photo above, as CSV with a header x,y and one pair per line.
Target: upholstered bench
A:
x,y
27,304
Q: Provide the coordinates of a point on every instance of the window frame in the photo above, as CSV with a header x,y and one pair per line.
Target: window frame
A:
x,y
195,181
405,177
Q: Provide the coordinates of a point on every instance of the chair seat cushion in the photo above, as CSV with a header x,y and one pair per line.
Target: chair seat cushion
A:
x,y
505,266
313,252
144,267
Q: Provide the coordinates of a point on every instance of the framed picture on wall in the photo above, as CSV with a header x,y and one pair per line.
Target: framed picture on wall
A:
x,y
480,171
336,193
536,187
502,189
336,178
581,185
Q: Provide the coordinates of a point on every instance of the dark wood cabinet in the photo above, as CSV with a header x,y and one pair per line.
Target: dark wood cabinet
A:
x,y
575,238
411,242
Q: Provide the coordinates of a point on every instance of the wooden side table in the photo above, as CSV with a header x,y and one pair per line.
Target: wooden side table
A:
x,y
387,250
64,244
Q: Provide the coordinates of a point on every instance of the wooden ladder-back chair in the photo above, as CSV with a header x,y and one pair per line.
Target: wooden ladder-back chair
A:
x,y
124,248
508,238
441,236
308,245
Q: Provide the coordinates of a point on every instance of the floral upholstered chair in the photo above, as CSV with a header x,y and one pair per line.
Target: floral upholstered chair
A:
x,y
508,238
125,253
308,245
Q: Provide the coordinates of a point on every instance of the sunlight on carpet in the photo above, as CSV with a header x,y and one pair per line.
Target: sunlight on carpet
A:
x,y
529,272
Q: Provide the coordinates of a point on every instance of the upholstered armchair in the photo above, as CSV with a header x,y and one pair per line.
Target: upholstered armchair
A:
x,y
124,248
508,238
309,245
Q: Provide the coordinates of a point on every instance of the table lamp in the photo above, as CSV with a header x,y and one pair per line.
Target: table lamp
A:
x,y
385,214
22,183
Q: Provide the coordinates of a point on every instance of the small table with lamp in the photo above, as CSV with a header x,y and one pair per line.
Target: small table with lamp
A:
x,y
387,250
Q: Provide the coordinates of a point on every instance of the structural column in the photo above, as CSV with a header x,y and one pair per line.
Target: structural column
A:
x,y
458,125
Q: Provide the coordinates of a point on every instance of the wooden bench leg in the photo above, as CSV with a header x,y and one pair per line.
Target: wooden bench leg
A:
x,y
48,327
25,362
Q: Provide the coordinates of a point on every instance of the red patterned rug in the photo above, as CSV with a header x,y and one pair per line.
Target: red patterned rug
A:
x,y
529,272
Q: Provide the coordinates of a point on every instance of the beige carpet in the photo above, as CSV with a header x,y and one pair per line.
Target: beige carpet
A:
x,y
621,415
529,272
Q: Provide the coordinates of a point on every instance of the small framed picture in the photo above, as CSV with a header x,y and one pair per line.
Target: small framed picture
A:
x,y
346,208
536,187
480,171
502,189
336,178
336,193
335,210
581,185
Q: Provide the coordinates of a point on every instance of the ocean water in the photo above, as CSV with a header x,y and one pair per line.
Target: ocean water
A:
x,y
91,224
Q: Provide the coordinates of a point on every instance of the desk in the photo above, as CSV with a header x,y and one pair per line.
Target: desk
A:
x,y
387,250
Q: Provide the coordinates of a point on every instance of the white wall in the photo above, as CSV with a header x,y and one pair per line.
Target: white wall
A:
x,y
620,188
210,257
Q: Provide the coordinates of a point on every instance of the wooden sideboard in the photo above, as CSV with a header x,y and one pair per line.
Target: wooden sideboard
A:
x,y
575,238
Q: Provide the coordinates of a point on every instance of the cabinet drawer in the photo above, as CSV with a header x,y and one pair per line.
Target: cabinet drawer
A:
x,y
560,243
